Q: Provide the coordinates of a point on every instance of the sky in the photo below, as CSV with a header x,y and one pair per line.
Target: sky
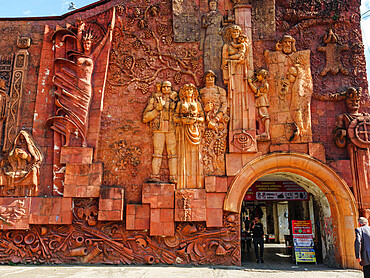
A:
x,y
365,26
27,8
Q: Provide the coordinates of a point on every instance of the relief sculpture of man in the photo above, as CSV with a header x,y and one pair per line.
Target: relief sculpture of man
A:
x,y
352,130
290,92
214,103
159,113
211,39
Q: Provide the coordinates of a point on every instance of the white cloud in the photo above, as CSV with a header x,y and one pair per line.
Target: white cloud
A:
x,y
27,13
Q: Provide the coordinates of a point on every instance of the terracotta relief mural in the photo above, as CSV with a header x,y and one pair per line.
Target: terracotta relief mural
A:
x,y
145,112
110,243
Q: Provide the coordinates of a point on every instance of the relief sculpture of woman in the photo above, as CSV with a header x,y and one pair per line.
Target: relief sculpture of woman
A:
x,y
73,82
19,169
189,116
234,66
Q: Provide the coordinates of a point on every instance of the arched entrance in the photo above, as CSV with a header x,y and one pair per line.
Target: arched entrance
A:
x,y
319,180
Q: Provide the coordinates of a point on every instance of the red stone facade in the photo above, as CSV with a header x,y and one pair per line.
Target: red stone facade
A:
x,y
88,195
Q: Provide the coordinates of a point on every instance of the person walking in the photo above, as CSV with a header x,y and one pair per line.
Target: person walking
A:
x,y
257,230
362,245
248,235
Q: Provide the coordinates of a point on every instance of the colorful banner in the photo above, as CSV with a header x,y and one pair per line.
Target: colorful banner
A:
x,y
276,191
303,241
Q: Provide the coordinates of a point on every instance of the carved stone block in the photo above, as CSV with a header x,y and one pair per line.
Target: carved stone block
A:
x,y
263,20
76,155
235,161
161,222
14,213
190,205
137,216
51,211
214,217
158,195
317,150
214,203
185,21
216,184
111,203
83,180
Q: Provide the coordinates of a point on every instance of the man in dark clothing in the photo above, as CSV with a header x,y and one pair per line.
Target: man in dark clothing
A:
x,y
248,237
257,230
362,245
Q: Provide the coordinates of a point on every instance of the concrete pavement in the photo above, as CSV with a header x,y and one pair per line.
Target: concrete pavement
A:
x,y
173,272
277,264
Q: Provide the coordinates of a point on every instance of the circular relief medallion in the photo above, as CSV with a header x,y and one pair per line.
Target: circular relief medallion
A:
x,y
172,241
359,132
243,140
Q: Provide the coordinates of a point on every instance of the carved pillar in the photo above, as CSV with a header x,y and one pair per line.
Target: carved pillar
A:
x,y
18,76
244,140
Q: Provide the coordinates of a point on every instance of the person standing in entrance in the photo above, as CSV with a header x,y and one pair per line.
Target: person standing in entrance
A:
x,y
257,230
362,245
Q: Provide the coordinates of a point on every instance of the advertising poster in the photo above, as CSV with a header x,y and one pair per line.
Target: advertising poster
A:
x,y
303,241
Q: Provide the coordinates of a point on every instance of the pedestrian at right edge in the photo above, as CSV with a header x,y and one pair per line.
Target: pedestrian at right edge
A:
x,y
362,245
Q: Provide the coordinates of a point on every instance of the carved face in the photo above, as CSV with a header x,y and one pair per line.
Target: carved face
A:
x,y
213,5
189,92
287,46
210,79
158,87
241,39
259,77
235,33
166,89
22,143
87,45
353,104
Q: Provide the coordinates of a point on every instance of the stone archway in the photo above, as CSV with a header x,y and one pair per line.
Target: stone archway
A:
x,y
340,198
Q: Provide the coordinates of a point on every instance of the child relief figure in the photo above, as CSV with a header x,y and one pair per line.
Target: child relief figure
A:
x,y
240,49
260,92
